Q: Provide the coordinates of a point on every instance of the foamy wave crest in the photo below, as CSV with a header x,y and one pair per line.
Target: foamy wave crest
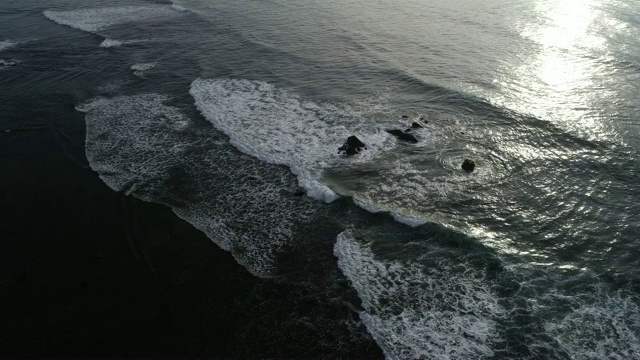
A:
x,y
600,326
96,19
278,127
418,313
144,147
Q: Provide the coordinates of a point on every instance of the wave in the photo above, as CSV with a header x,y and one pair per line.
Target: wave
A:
x,y
8,63
141,68
600,325
278,127
97,19
178,7
5,44
141,146
112,43
414,312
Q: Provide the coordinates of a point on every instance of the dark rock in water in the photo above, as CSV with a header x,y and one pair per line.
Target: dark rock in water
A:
x,y
405,116
415,125
352,146
468,165
407,130
299,192
403,135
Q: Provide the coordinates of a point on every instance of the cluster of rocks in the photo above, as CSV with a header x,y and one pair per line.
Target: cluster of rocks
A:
x,y
353,145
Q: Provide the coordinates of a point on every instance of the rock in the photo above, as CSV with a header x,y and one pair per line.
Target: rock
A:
x,y
403,135
405,116
468,165
415,125
352,146
407,129
299,192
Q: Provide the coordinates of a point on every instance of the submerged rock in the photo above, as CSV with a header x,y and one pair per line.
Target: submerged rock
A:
x,y
468,165
352,146
415,125
403,135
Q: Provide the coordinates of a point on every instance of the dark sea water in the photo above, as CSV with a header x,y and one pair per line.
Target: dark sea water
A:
x,y
227,112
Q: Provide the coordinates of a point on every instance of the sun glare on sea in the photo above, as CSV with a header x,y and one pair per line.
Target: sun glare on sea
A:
x,y
562,69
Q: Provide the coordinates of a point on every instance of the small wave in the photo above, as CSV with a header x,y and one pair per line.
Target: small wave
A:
x,y
109,43
417,313
5,44
401,218
178,8
8,63
140,69
143,66
112,43
278,127
143,147
96,19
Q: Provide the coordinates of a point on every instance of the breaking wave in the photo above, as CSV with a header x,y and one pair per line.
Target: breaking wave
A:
x,y
416,312
278,127
146,148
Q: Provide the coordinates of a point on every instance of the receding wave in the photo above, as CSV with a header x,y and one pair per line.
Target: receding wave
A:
x,y
144,147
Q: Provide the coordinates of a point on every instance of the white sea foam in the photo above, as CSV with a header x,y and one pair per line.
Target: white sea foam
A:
x,y
143,147
417,313
140,69
109,43
96,19
278,127
601,325
143,66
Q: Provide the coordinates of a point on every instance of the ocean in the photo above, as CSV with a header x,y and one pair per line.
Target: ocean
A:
x,y
224,118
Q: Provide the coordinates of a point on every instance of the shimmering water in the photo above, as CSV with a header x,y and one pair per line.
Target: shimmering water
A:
x,y
228,111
